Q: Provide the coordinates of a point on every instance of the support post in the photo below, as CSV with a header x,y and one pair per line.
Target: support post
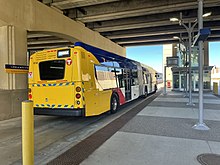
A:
x,y
27,133
200,125
189,30
185,82
165,81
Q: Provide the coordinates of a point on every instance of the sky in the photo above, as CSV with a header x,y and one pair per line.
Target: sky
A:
x,y
214,54
149,55
152,55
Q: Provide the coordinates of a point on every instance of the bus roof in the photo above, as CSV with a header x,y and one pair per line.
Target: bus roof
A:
x,y
104,56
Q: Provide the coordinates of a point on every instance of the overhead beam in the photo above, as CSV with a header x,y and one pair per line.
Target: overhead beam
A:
x,y
35,35
150,43
67,4
48,45
215,34
57,41
171,41
133,8
155,31
150,20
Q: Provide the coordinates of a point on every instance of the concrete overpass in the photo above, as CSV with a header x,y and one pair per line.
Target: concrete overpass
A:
x,y
138,22
108,24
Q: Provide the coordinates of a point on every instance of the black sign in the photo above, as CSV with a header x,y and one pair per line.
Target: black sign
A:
x,y
172,61
21,67
16,68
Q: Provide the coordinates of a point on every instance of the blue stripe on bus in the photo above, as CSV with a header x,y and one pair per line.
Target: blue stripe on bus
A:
x,y
38,85
53,105
67,84
37,105
48,105
42,105
65,106
60,84
54,84
44,85
72,83
59,106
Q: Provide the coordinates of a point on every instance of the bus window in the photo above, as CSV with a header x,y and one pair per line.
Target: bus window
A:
x,y
105,77
134,78
119,77
52,70
147,78
144,78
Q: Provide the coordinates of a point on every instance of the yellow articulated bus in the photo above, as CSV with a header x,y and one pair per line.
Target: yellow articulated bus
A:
x,y
85,81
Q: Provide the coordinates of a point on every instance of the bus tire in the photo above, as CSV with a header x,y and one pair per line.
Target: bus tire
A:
x,y
114,104
146,92
155,88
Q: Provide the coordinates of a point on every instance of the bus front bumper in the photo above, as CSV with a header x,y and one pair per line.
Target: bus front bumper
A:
x,y
59,112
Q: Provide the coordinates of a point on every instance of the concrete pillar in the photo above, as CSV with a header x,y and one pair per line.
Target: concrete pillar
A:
x,y
13,87
13,50
206,53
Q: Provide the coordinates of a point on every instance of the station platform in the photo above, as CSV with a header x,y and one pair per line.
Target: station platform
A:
x,y
159,134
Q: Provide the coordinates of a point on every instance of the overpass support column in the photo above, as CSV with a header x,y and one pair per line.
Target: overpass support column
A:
x,y
13,87
13,50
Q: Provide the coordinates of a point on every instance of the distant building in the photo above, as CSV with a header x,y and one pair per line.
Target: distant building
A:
x,y
215,76
178,77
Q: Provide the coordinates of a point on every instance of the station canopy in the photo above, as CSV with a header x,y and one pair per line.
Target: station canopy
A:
x,y
133,22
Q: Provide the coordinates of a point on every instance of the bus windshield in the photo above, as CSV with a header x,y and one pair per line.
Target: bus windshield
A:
x,y
52,70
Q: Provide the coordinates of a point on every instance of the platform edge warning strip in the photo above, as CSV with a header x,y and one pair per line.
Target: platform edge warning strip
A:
x,y
82,150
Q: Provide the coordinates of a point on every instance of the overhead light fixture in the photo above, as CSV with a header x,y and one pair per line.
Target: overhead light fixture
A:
x,y
176,37
207,14
174,19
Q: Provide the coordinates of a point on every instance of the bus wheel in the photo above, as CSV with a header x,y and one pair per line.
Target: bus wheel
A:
x,y
114,104
155,88
146,93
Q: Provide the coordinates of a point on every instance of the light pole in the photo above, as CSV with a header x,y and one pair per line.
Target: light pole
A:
x,y
189,29
201,125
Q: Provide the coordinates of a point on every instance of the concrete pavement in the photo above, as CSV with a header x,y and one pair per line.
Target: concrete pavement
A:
x,y
162,134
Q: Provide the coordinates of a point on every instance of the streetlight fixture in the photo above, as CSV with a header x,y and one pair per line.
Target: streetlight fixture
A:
x,y
189,30
206,14
176,37
201,125
174,19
